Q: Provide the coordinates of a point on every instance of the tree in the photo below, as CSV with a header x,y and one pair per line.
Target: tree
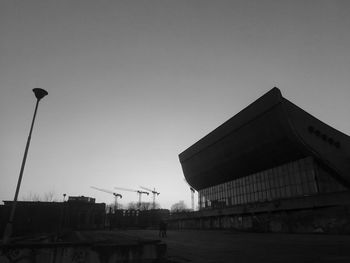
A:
x,y
144,206
46,197
31,197
132,206
179,207
110,208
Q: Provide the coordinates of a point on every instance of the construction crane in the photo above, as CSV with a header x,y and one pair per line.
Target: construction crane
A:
x,y
154,192
136,191
110,192
192,195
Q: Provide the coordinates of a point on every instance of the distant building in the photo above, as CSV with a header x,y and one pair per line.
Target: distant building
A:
x,y
272,167
81,198
137,218
53,217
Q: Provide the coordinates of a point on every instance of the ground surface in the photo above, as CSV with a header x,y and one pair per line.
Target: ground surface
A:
x,y
227,246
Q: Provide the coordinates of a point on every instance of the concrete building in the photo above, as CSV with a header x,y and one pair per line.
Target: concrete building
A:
x,y
53,217
271,162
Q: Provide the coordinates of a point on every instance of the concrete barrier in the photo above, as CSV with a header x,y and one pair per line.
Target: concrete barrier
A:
x,y
107,251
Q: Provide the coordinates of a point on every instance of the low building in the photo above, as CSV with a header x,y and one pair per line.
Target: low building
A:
x,y
137,218
271,167
53,217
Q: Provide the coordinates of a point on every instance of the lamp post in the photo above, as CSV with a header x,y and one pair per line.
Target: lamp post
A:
x,y
39,94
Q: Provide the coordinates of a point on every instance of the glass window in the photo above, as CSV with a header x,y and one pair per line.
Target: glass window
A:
x,y
282,192
261,196
302,176
268,181
312,187
268,195
254,187
273,193
256,196
293,189
287,176
292,178
295,167
243,199
250,188
265,185
264,176
299,189
277,193
258,177
245,189
288,191
281,181
256,184
298,178
249,199
262,186
305,188
273,182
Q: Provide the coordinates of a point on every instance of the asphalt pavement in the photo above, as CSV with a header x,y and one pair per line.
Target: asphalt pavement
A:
x,y
221,246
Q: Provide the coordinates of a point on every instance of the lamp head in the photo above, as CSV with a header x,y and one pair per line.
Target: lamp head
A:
x,y
40,93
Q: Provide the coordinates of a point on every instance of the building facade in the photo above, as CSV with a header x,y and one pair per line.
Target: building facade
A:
x,y
271,158
53,217
299,178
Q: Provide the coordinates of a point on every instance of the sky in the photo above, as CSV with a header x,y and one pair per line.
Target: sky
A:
x,y
132,84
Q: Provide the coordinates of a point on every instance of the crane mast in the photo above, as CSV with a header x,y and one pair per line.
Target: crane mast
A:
x,y
140,193
154,192
116,195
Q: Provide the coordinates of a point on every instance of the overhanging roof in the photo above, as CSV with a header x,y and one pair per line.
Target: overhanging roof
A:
x,y
269,132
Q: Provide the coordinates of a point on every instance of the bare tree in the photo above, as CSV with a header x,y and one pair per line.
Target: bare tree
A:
x,y
47,197
110,208
143,206
31,197
132,206
179,207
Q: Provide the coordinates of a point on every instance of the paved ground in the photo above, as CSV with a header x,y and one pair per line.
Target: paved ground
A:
x,y
227,246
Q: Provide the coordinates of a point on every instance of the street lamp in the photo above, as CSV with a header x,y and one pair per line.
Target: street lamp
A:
x,y
39,94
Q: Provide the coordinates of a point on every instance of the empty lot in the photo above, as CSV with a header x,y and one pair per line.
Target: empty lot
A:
x,y
228,246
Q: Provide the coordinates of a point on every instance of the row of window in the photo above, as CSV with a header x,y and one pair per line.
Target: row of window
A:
x,y
289,180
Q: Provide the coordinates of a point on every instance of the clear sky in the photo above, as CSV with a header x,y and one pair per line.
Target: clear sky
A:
x,y
134,83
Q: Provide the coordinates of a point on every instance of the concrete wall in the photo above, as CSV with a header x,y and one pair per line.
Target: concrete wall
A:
x,y
332,220
87,253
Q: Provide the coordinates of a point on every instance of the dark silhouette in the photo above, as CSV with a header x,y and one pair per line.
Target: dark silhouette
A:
x,y
162,229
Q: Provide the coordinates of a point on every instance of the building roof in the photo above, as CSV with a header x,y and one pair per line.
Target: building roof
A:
x,y
269,132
